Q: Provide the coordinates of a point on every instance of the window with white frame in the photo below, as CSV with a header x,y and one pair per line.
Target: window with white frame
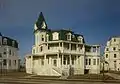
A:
x,y
42,38
5,41
69,36
33,51
55,36
79,39
13,43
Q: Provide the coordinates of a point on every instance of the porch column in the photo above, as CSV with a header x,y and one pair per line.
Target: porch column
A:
x,y
50,61
62,59
62,46
76,59
70,46
96,49
70,60
76,47
31,64
83,48
45,62
91,49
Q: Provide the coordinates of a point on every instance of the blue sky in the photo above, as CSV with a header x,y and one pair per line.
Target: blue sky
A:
x,y
97,20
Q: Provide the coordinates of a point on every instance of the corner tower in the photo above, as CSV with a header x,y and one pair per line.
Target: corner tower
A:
x,y
40,29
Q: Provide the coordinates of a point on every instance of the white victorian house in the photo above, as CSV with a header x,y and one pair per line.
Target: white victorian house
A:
x,y
112,54
9,59
61,52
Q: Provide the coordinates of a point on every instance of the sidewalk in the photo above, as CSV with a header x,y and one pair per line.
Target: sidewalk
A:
x,y
115,76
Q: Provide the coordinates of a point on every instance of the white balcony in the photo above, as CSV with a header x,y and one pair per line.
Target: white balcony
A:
x,y
55,50
93,53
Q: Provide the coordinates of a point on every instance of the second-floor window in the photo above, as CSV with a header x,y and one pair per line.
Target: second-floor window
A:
x,y
10,52
4,62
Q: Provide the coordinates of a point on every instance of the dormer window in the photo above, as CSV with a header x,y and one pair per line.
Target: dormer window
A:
x,y
69,36
55,36
5,41
13,43
80,39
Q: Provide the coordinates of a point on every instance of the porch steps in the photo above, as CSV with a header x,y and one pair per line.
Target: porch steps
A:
x,y
63,77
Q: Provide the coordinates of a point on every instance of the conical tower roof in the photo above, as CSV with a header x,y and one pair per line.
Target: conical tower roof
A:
x,y
40,21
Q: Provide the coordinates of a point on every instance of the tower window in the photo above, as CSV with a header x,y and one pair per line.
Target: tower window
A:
x,y
106,55
42,38
114,48
94,61
115,55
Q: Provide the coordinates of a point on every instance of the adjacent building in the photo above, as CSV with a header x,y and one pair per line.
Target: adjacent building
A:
x,y
9,59
112,54
61,52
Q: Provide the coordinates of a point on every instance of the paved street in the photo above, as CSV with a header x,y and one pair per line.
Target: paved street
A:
x,y
23,78
34,81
